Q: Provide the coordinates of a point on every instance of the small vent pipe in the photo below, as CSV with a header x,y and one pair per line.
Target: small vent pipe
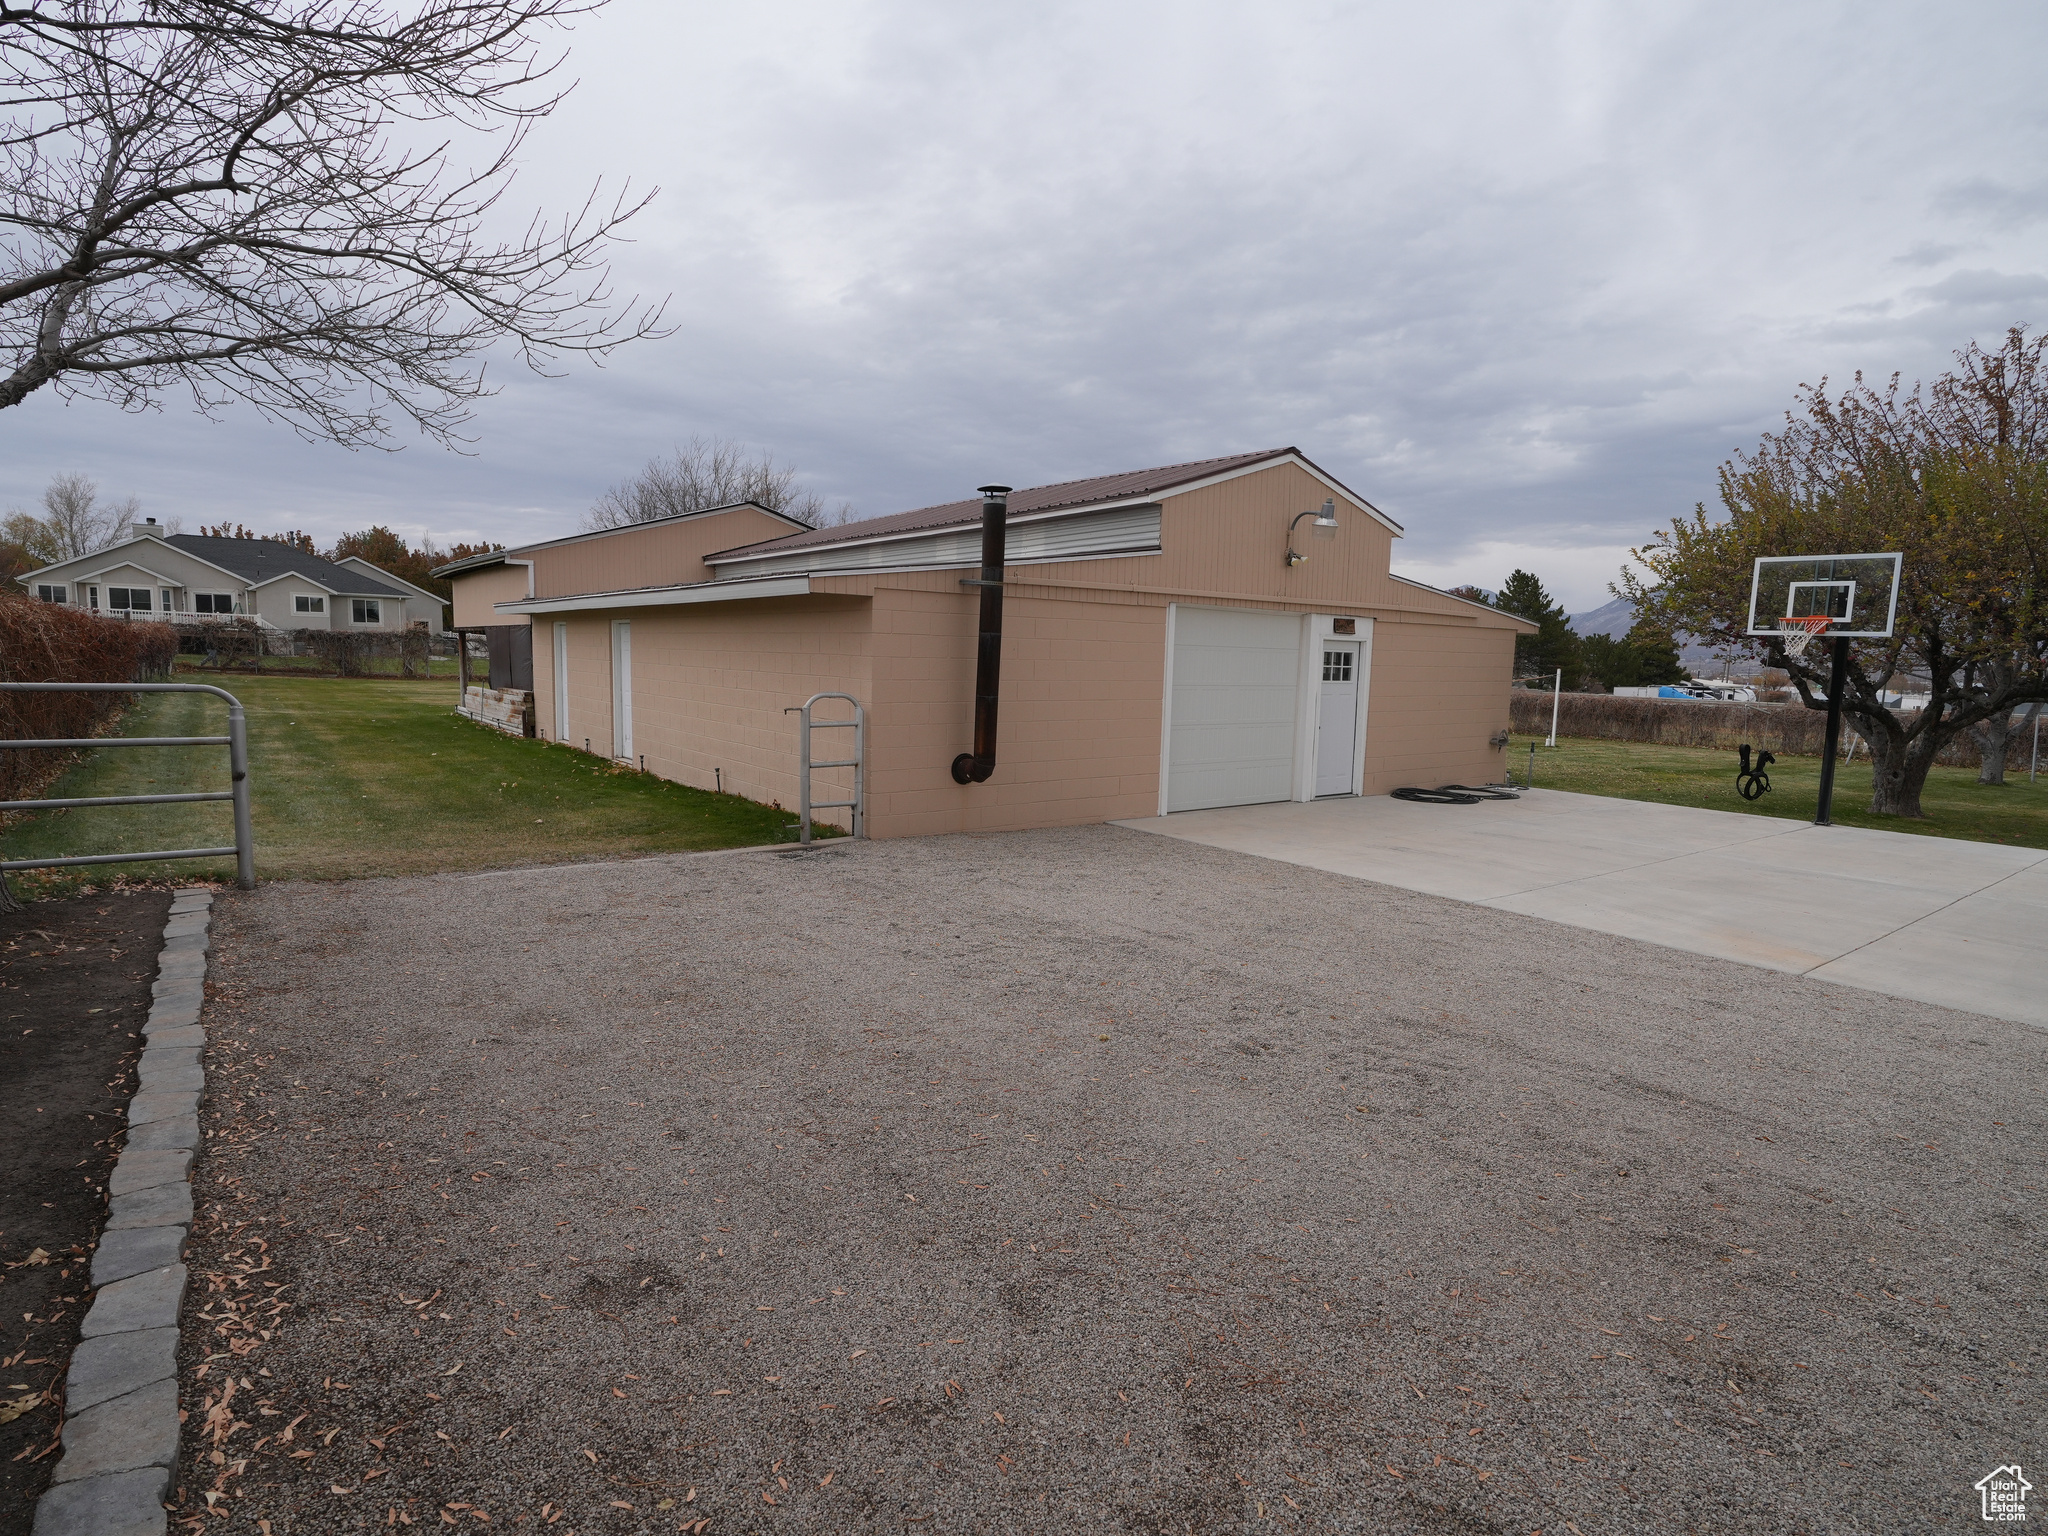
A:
x,y
975,767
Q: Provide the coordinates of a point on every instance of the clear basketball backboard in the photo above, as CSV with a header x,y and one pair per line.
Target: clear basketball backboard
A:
x,y
1858,594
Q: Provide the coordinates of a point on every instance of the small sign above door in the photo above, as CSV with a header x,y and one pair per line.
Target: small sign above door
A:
x,y
1344,626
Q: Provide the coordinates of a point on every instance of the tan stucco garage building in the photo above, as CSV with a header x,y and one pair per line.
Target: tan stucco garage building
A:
x,y
1159,651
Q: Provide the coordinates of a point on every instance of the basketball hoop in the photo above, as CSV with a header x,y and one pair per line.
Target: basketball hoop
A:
x,y
1797,634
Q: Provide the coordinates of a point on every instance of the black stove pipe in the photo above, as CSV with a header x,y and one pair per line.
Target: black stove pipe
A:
x,y
976,766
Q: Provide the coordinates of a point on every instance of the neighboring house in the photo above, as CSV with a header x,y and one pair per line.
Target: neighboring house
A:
x,y
191,578
1159,650
421,606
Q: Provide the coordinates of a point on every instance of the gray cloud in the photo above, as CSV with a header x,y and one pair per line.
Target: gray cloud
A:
x,y
1522,277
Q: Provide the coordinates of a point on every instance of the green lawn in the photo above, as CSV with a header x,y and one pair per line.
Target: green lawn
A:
x,y
1955,803
364,777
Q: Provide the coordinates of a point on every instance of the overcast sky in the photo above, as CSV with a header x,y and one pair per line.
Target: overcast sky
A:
x,y
1521,275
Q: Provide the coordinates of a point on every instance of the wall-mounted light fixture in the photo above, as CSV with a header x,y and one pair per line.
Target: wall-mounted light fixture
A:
x,y
1324,527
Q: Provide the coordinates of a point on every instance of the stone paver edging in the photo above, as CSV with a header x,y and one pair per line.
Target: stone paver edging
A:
x,y
121,1396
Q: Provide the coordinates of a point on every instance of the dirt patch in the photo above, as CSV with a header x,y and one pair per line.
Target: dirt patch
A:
x,y
74,991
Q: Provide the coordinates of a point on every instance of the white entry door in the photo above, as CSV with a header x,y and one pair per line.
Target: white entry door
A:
x,y
1337,718
1231,704
622,690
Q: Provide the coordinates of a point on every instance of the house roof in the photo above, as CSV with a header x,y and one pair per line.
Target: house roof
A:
x,y
263,560
355,561
1128,485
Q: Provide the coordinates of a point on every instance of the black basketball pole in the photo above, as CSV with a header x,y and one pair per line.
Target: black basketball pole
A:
x,y
1824,814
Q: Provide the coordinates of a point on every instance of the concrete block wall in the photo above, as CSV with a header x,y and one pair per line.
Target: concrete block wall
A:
x,y
1078,734
1438,695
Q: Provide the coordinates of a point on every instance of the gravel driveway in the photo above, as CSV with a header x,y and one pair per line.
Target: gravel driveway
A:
x,y
1085,1181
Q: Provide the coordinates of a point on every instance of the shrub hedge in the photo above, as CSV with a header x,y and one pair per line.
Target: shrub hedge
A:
x,y
53,643
1790,730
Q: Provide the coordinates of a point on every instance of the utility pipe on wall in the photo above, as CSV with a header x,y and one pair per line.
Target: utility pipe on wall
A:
x,y
1556,698
976,766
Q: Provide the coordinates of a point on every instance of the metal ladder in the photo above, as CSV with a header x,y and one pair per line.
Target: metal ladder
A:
x,y
858,725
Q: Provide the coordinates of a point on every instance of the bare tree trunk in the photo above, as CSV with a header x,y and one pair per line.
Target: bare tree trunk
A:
x,y
7,901
1994,738
1894,786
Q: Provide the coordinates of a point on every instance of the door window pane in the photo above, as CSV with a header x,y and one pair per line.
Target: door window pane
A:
x,y
1337,666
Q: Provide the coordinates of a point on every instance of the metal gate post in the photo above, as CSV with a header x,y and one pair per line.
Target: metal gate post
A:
x,y
238,774
804,775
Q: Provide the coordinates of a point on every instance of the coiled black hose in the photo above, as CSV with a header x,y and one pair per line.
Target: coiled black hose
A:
x,y
1457,794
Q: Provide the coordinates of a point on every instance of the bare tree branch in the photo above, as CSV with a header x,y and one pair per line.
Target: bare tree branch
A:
x,y
710,472
230,196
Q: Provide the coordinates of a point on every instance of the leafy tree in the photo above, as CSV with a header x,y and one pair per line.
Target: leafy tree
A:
x,y
264,201
1554,646
1473,594
1955,478
15,560
389,552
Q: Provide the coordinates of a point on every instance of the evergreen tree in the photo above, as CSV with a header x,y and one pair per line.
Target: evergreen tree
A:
x,y
1656,653
1608,662
1553,646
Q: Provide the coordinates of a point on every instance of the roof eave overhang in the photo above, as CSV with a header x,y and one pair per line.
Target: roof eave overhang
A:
x,y
745,589
473,563
1499,613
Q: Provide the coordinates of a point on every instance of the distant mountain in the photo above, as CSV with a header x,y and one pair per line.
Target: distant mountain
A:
x,y
1613,620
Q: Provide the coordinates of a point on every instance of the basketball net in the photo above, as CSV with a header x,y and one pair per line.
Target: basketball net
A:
x,y
1797,634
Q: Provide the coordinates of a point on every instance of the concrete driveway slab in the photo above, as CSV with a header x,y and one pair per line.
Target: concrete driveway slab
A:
x,y
1935,919
1982,952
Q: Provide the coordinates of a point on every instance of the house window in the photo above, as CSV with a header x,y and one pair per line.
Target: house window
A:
x,y
51,594
305,603
1337,666
367,610
213,602
135,599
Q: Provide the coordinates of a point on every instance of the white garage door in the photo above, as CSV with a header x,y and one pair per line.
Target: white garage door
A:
x,y
1236,675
